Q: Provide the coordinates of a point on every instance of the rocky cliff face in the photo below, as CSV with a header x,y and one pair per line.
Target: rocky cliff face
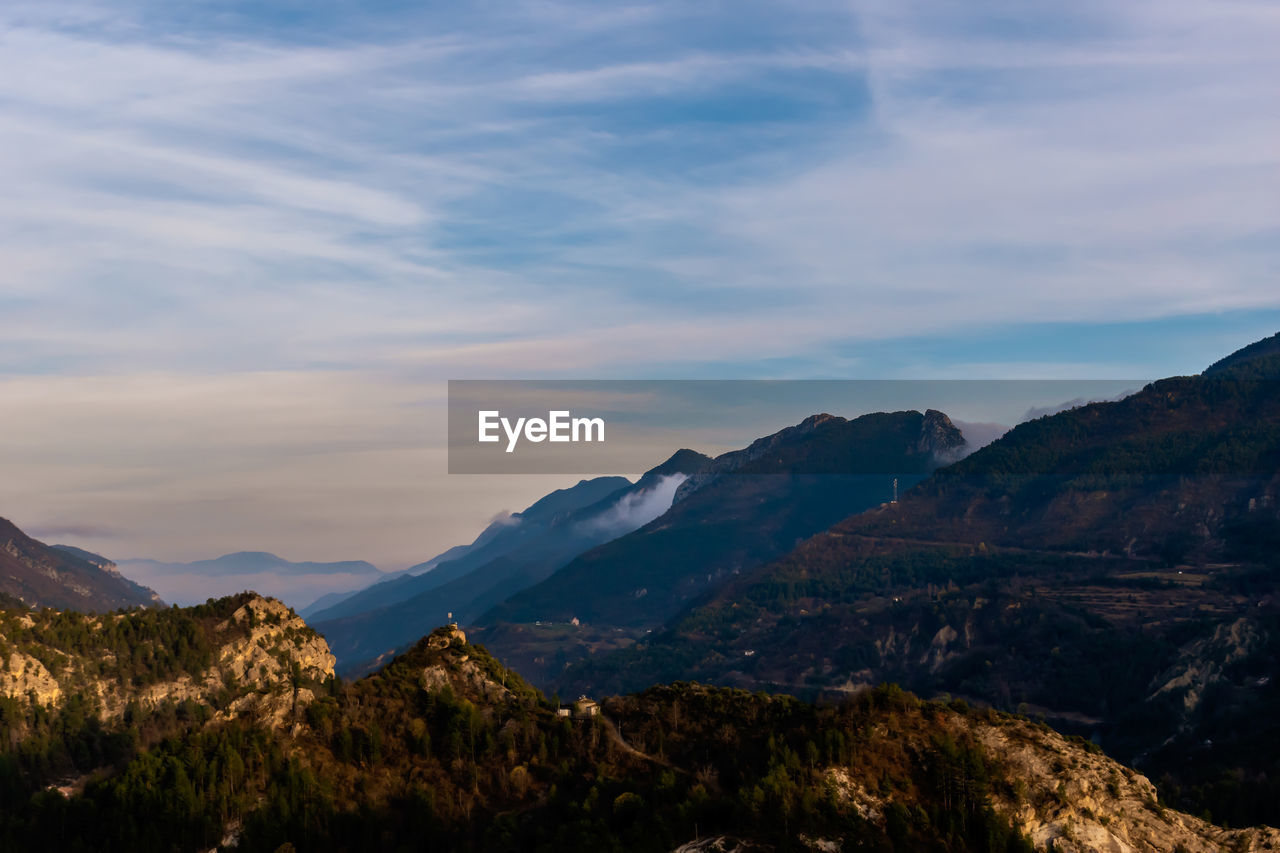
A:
x,y
255,661
25,676
1205,662
826,443
941,438
1074,799
443,658
1065,796
727,463
279,653
449,663
910,763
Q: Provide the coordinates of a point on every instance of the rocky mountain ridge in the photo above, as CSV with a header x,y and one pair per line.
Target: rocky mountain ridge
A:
x,y
251,660
1070,798
750,506
939,440
39,575
445,744
1062,793
735,460
1112,566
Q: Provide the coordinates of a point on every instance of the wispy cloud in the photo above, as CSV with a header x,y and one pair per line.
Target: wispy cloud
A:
x,y
606,168
548,188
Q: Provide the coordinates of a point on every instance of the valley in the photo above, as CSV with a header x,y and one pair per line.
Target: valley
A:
x,y
851,634
617,426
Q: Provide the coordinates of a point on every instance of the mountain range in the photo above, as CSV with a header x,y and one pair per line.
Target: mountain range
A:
x,y
623,557
1110,569
252,563
294,582
222,727
513,553
745,508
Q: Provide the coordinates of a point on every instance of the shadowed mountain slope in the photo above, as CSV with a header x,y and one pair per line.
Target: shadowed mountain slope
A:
x,y
534,545
747,507
43,576
1114,566
503,535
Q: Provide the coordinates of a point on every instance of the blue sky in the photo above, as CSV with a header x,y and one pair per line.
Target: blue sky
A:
x,y
227,226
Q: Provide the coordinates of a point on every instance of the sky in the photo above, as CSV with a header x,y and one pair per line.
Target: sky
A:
x,y
244,245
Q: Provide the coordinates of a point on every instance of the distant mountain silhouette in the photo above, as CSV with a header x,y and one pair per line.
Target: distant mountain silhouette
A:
x,y
512,554
40,575
254,562
502,535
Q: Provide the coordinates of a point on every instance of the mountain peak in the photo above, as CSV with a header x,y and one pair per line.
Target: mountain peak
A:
x,y
264,556
445,658
735,459
816,420
257,654
939,436
1260,360
682,461
690,463
564,501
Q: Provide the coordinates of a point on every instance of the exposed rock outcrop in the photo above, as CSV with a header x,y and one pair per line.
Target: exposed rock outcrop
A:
x,y
1202,663
1076,800
940,438
25,676
448,663
263,656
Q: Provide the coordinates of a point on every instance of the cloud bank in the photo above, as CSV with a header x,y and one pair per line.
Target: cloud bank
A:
x,y
636,509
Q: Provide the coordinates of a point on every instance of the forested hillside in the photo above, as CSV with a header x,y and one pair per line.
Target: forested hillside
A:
x,y
1113,567
446,749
